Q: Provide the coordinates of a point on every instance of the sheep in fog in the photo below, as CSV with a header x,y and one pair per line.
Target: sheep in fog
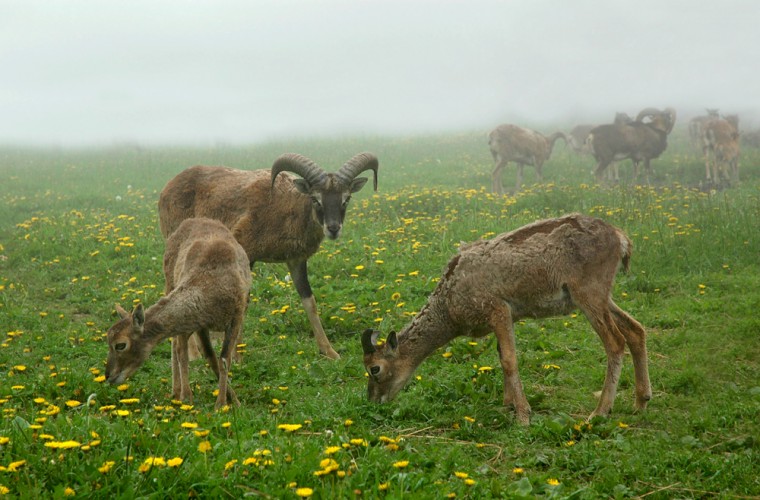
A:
x,y
547,268
720,138
207,285
276,218
521,146
638,140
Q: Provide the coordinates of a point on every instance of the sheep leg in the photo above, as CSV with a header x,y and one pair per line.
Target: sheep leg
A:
x,y
225,389
635,338
301,280
496,186
600,317
600,168
181,370
207,349
501,322
518,183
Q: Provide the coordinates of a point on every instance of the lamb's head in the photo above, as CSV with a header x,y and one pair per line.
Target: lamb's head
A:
x,y
388,371
329,192
127,350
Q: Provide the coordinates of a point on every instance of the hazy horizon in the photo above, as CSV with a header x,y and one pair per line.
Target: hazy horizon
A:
x,y
81,73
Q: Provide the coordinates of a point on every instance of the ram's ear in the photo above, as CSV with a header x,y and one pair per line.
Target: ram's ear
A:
x,y
302,186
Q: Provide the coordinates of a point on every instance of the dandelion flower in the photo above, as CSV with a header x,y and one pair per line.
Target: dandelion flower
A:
x,y
552,482
331,450
383,486
401,464
461,475
304,492
289,427
469,482
518,470
69,492
72,403
106,467
174,462
204,446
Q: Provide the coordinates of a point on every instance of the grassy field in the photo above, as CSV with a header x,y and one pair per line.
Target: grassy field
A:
x,y
79,233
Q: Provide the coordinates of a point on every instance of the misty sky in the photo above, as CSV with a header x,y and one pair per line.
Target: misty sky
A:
x,y
79,72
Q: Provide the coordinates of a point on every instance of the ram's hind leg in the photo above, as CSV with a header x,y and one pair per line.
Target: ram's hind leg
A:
x,y
501,323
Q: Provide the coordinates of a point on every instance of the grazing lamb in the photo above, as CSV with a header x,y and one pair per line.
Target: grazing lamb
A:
x,y
207,285
522,146
276,218
547,268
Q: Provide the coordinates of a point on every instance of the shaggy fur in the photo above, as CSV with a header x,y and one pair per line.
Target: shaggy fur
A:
x,y
547,268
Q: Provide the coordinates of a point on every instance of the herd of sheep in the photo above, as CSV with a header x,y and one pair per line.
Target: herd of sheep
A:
x,y
218,221
641,140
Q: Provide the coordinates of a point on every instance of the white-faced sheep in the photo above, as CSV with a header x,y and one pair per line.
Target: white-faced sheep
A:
x,y
510,143
208,280
276,218
547,268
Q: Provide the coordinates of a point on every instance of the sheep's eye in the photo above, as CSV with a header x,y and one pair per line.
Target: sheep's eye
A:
x,y
120,346
345,202
374,370
316,202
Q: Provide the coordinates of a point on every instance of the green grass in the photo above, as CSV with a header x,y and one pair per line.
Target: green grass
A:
x,y
79,233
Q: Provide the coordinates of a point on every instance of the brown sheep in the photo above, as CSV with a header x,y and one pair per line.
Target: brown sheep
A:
x,y
276,218
547,268
207,285
522,146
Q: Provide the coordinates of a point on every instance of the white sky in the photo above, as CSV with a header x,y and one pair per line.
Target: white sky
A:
x,y
79,72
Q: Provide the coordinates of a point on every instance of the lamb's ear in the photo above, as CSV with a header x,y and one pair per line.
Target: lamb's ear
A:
x,y
368,341
121,312
392,341
138,317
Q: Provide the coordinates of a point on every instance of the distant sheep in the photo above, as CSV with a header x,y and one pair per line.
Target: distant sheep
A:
x,y
638,140
276,218
208,280
510,143
547,268
721,142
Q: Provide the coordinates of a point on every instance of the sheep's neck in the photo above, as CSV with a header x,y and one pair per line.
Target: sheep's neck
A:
x,y
166,319
430,329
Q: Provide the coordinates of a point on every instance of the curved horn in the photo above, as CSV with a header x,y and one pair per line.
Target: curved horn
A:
x,y
647,112
298,164
671,112
357,165
367,344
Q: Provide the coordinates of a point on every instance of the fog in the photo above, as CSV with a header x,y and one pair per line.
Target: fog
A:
x,y
95,72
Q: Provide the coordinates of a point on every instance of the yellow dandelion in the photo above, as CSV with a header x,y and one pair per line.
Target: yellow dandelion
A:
x,y
469,482
622,425
304,492
174,462
122,413
4,440
19,368
189,425
348,422
122,387
230,464
401,464
204,446
63,445
73,403
330,450
552,482
518,470
129,401
14,466
4,490
69,492
383,486
289,427
447,354
106,467
359,442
